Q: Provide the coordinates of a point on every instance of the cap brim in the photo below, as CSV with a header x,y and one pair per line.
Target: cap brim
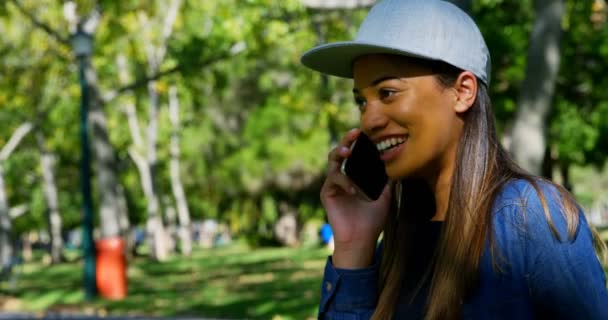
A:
x,y
337,58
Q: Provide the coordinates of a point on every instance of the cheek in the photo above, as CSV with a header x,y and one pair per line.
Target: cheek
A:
x,y
431,133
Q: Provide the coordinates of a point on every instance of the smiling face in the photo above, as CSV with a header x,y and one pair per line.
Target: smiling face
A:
x,y
411,117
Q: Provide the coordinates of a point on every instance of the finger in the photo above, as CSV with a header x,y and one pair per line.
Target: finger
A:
x,y
387,192
350,137
338,154
342,151
339,183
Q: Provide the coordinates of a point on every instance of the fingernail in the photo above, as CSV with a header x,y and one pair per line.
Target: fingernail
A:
x,y
352,190
343,149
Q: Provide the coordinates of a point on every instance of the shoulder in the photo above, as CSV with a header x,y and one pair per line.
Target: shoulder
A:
x,y
535,225
544,238
522,191
537,208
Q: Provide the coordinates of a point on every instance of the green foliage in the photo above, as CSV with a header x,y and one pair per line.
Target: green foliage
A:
x,y
579,126
256,125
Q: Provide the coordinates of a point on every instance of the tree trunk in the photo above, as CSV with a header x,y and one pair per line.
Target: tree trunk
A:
x,y
528,141
105,160
564,169
170,223
154,223
145,165
111,196
128,108
6,245
286,229
50,195
183,213
155,55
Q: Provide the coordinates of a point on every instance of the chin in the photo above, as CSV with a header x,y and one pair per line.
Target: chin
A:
x,y
396,173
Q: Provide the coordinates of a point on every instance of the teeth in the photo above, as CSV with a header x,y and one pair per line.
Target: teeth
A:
x,y
389,143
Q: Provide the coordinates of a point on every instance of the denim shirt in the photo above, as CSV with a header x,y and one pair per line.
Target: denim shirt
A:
x,y
543,278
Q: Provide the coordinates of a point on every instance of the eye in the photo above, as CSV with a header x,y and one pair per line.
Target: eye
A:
x,y
360,102
386,93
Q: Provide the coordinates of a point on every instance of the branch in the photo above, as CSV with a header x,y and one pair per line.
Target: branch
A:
x,y
109,96
14,140
50,31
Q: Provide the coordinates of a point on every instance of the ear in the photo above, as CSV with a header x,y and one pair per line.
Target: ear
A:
x,y
465,89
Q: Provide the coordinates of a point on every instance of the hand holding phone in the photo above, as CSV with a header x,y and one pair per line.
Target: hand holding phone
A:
x,y
365,168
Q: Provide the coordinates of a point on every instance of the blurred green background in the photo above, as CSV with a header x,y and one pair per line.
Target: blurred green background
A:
x,y
209,141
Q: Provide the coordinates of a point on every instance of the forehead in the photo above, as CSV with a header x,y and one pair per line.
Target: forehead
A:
x,y
368,68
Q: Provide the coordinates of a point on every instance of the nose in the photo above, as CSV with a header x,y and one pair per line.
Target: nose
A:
x,y
373,119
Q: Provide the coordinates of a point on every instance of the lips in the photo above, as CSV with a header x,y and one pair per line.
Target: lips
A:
x,y
389,143
390,146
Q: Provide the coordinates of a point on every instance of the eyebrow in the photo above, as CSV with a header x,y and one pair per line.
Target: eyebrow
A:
x,y
377,81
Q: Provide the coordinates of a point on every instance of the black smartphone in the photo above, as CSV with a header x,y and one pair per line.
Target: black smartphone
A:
x,y
365,168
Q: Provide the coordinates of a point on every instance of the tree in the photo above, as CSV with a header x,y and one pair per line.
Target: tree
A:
x,y
183,213
6,241
111,199
537,92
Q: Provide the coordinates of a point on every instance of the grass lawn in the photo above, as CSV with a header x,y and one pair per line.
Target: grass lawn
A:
x,y
232,282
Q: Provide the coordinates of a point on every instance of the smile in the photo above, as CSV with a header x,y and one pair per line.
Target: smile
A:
x,y
390,143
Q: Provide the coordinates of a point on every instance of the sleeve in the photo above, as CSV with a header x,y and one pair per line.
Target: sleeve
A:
x,y
348,294
564,275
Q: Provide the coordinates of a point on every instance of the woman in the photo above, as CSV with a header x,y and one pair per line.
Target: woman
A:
x,y
465,232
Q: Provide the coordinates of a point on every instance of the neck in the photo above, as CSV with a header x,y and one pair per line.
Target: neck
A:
x,y
441,185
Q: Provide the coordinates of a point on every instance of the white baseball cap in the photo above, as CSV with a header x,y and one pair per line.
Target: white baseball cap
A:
x,y
427,29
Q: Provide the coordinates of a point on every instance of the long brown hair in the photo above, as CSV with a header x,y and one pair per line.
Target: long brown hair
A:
x,y
482,169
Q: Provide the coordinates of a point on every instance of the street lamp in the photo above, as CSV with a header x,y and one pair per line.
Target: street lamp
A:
x,y
82,45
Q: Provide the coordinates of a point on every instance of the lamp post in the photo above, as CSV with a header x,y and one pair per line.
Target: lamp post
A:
x,y
82,44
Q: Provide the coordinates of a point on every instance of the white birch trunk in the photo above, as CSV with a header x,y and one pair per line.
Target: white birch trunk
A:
x,y
183,213
50,195
155,55
128,108
6,243
154,225
528,141
155,222
145,165
171,223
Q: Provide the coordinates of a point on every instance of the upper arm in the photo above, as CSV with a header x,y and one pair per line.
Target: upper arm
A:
x,y
564,276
